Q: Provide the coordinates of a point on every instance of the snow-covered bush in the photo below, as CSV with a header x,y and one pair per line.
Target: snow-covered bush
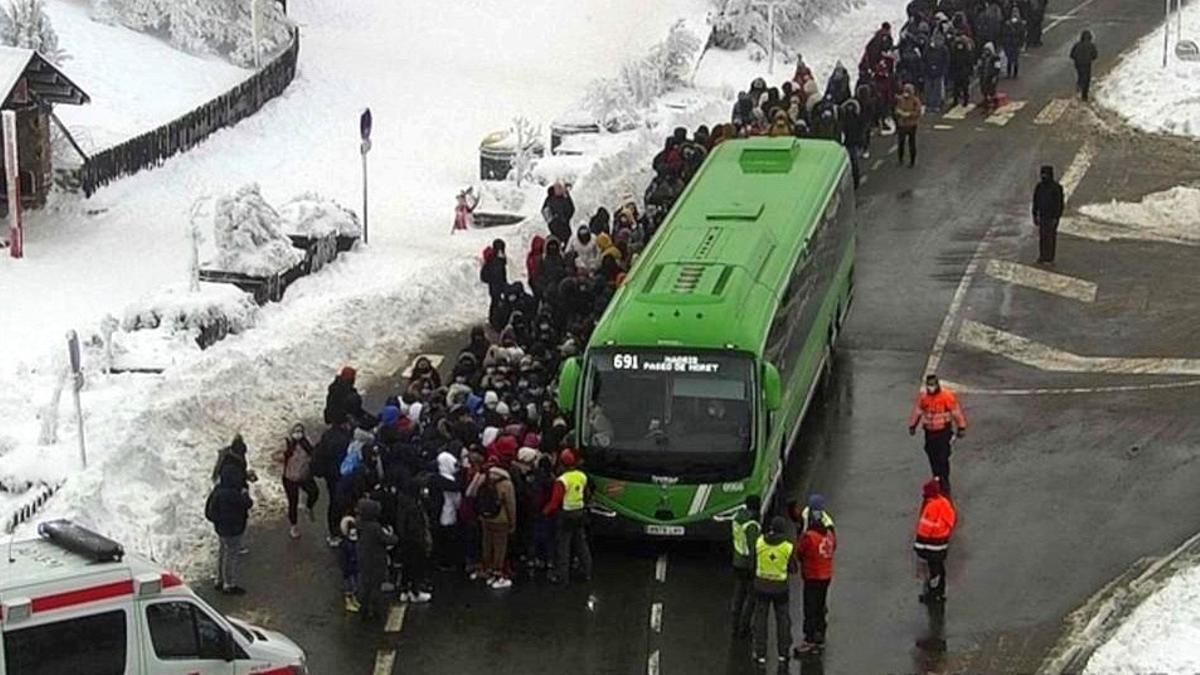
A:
x,y
221,27
248,235
178,309
739,22
311,214
616,103
23,23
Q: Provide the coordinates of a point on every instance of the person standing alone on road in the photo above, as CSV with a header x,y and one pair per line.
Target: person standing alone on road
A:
x,y
908,115
773,563
1084,55
1047,209
934,527
938,412
745,530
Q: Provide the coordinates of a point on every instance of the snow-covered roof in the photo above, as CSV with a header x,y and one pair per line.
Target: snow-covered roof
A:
x,y
45,81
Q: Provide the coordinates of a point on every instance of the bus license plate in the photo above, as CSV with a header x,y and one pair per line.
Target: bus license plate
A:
x,y
665,530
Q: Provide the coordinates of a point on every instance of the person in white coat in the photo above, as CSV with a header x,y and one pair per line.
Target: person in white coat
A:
x,y
587,254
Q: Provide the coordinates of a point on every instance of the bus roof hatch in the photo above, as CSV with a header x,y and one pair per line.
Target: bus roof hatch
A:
x,y
748,211
769,160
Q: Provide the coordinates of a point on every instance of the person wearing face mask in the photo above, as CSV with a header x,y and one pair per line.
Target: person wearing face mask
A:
x,y
296,458
938,412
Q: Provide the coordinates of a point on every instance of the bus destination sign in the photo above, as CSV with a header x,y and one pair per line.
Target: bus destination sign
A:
x,y
666,363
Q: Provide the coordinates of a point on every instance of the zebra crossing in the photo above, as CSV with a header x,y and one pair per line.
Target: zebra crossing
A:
x,y
1047,115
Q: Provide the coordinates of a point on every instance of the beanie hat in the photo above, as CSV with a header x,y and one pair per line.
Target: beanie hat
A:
x,y
389,415
502,408
567,457
816,503
778,525
527,455
347,373
491,399
932,488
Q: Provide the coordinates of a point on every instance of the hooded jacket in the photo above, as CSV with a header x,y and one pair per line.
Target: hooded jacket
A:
x,y
446,491
507,494
533,260
228,505
587,254
908,109
373,543
1047,200
233,457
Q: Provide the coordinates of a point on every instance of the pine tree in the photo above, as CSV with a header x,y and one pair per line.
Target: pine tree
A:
x,y
24,24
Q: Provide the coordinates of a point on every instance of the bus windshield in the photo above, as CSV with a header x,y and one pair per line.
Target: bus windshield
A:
x,y
680,413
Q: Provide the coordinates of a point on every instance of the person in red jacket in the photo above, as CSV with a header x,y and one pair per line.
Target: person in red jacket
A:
x,y
935,525
814,548
533,264
938,412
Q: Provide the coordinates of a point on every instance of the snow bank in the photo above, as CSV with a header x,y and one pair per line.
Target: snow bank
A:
x,y
1151,97
177,308
1161,636
137,82
248,235
1172,215
312,215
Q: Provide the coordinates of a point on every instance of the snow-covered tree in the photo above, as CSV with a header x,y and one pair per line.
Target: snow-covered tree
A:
x,y
527,136
248,235
618,102
23,23
738,22
221,27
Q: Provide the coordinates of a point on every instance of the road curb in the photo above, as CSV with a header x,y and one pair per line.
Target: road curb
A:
x,y
1090,626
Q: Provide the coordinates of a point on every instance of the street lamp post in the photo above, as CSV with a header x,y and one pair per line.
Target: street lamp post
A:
x,y
364,129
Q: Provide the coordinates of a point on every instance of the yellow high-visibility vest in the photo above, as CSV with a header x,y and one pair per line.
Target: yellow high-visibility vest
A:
x,y
574,482
740,543
772,559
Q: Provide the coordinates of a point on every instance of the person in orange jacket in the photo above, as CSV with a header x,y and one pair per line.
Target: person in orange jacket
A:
x,y
814,549
935,525
938,412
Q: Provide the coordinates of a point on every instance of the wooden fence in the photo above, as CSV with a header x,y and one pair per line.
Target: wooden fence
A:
x,y
154,147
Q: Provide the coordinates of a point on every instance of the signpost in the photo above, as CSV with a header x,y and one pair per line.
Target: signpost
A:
x,y
771,29
77,374
256,30
12,172
364,129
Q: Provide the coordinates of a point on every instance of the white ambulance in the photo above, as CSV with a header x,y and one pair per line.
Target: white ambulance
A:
x,y
74,603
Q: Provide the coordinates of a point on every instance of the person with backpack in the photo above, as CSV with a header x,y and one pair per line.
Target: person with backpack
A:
x,y
496,507
228,509
297,459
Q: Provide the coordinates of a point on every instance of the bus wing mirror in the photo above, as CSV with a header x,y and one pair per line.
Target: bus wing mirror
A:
x,y
772,389
568,382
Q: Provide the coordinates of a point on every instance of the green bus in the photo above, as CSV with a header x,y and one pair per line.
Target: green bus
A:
x,y
693,385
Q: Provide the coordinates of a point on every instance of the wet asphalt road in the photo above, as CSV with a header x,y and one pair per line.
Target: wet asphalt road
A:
x,y
1053,497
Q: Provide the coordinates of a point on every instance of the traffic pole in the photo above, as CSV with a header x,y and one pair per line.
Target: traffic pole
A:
x,y
364,131
1166,32
76,385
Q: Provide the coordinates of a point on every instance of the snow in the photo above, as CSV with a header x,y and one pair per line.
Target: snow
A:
x,y
1172,214
1161,636
152,437
311,214
248,236
180,309
137,82
1149,96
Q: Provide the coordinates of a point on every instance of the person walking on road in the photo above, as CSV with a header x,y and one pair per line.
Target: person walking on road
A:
x,y
1047,210
935,525
1012,39
774,562
297,458
228,508
938,413
1084,55
568,498
815,548
746,529
908,115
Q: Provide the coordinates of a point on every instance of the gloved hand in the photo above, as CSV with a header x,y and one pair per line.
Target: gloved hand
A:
x,y
959,434
912,431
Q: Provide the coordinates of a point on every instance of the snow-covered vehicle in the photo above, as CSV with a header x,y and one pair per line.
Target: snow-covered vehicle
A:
x,y
74,601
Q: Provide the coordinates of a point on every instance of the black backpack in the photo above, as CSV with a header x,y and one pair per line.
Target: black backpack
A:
x,y
487,500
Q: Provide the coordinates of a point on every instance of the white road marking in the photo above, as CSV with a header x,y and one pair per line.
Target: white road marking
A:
x,y
1005,113
959,112
1069,15
660,568
1053,111
1044,357
1078,168
876,164
385,662
1098,230
943,127
1045,391
943,336
652,663
395,620
1048,282
656,617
